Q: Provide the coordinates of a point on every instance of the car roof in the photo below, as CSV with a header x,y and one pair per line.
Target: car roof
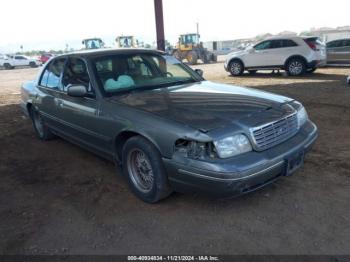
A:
x,y
111,51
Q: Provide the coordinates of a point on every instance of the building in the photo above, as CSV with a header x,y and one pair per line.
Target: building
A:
x,y
328,34
227,46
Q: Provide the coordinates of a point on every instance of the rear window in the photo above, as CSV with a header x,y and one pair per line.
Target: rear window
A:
x,y
314,40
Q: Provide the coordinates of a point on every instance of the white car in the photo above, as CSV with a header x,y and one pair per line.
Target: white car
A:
x,y
296,55
348,80
10,62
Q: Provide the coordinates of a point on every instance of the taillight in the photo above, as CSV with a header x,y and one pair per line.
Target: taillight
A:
x,y
312,45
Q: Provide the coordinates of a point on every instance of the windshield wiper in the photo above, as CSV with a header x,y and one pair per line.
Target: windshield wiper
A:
x,y
166,84
129,91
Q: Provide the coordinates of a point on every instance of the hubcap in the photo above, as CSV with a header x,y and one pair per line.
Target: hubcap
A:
x,y
38,123
295,68
236,68
140,170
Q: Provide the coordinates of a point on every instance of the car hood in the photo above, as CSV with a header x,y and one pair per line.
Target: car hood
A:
x,y
207,106
237,53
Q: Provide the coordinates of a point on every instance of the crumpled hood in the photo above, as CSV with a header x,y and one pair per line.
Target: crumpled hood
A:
x,y
206,105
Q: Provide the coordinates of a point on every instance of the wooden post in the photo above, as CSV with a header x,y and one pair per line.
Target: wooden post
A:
x,y
158,8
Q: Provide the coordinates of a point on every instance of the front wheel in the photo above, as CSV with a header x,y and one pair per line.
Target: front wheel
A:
x,y
192,58
144,170
41,130
236,68
178,55
7,66
295,67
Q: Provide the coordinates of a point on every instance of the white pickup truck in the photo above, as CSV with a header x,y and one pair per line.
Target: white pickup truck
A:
x,y
11,61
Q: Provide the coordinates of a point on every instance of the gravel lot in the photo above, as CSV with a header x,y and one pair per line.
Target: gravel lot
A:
x,y
56,198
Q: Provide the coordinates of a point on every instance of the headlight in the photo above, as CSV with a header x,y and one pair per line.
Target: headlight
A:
x,y
232,146
302,116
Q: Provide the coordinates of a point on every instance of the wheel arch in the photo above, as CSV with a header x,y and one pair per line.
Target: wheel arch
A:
x,y
294,56
121,138
236,59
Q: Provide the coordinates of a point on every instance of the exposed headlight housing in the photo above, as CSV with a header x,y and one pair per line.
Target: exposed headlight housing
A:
x,y
232,146
302,116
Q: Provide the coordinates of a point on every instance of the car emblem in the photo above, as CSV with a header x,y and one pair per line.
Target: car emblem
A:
x,y
280,131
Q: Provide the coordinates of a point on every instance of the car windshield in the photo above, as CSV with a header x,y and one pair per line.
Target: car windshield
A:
x,y
132,72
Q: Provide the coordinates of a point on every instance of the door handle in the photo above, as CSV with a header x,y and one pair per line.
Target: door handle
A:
x,y
60,103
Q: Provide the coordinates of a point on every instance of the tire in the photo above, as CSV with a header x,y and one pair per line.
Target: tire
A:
x,y
192,58
252,72
295,67
206,58
7,66
236,67
139,155
214,58
32,64
41,130
178,55
311,70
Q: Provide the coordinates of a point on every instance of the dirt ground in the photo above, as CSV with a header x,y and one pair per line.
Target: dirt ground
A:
x,y
56,198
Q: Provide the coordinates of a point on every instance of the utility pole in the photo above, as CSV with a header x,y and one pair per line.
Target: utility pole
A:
x,y
158,9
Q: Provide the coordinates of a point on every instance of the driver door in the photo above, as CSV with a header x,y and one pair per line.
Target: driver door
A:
x,y
259,55
79,115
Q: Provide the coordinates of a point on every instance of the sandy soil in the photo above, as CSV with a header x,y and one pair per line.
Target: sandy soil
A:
x,y
56,198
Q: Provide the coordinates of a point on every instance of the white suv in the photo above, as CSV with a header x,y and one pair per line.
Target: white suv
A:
x,y
11,61
296,55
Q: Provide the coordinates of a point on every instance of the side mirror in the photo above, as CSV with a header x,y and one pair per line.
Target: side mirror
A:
x,y
251,50
199,72
77,90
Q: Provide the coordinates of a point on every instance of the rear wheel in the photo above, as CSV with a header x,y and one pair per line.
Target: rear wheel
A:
x,y
32,64
236,68
206,58
41,130
295,67
192,57
144,170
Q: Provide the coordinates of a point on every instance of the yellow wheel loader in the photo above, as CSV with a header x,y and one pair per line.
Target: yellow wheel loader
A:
x,y
192,50
93,43
126,42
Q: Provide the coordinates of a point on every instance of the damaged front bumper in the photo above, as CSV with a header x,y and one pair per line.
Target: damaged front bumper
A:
x,y
243,173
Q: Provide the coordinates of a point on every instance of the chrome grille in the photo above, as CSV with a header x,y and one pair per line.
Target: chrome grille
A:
x,y
271,134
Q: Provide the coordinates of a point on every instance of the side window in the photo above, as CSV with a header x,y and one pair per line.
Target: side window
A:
x,y
347,43
264,45
51,77
283,43
333,44
288,43
341,43
18,57
75,73
277,43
